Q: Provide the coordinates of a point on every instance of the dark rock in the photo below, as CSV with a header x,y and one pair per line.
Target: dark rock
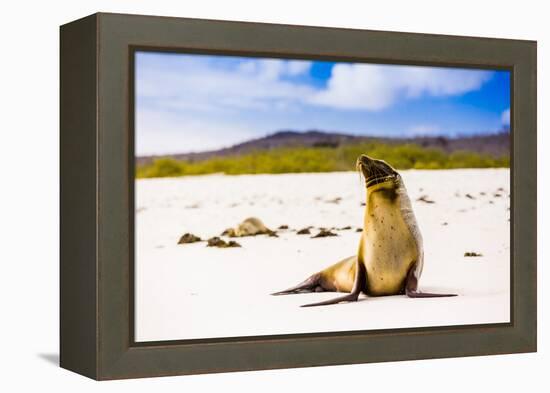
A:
x,y
324,233
233,243
189,238
472,254
217,242
425,199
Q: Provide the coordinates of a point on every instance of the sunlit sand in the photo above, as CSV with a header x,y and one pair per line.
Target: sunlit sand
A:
x,y
192,291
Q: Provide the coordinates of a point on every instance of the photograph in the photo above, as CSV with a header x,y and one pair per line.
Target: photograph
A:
x,y
278,196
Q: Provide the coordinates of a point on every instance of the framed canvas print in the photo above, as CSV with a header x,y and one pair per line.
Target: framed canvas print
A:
x,y
241,196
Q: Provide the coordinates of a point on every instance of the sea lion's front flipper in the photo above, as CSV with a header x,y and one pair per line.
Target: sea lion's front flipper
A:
x,y
358,285
309,285
411,287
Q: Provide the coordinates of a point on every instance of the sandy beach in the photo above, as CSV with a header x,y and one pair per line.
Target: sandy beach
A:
x,y
192,291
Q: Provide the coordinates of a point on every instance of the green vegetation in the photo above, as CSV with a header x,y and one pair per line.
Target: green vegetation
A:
x,y
321,159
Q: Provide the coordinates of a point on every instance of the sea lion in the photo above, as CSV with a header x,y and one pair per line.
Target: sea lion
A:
x,y
252,226
390,257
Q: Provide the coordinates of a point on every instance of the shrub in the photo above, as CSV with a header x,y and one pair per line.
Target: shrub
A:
x,y
321,159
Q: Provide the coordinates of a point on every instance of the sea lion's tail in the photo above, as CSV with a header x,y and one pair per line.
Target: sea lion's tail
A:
x,y
309,285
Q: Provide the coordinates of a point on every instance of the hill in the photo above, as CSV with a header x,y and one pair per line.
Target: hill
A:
x,y
494,145
290,152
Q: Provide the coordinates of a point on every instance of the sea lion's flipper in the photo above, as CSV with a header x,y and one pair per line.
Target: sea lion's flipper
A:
x,y
411,287
350,297
358,285
427,294
309,285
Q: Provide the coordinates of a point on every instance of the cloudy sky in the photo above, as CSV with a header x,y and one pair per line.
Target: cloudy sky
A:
x,y
197,102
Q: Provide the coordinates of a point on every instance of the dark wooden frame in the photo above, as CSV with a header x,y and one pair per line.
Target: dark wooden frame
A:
x,y
97,169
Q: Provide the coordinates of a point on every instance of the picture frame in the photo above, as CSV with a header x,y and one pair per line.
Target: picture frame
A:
x,y
96,197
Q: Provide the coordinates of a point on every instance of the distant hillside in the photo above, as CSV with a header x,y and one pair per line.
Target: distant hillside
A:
x,y
495,145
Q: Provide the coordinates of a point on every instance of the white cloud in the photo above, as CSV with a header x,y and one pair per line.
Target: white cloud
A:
x,y
505,117
267,83
269,69
375,87
188,102
166,133
253,84
298,67
424,129
273,69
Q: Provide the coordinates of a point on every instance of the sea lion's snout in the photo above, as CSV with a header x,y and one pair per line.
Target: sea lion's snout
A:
x,y
375,171
364,164
365,160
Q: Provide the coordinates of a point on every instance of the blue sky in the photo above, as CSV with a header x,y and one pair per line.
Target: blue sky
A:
x,y
190,103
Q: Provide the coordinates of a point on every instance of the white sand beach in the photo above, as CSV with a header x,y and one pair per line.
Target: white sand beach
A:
x,y
192,291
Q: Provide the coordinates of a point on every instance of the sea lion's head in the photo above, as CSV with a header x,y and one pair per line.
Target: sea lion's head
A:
x,y
377,173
